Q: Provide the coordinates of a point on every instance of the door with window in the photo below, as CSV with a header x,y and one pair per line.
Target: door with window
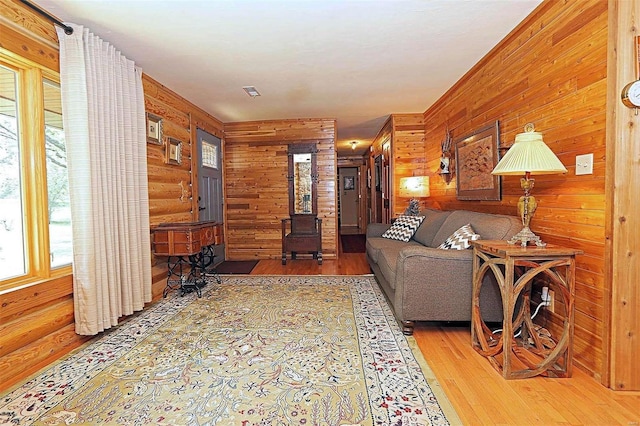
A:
x,y
210,197
210,177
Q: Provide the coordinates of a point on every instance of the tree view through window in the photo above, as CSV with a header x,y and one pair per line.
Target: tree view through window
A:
x,y
22,149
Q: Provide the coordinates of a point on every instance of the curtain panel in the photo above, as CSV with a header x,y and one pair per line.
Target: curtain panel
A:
x,y
104,125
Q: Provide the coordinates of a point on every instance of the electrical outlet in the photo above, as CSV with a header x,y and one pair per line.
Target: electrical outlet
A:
x,y
544,297
551,299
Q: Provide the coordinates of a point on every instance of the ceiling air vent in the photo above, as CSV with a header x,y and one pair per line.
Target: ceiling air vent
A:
x,y
251,91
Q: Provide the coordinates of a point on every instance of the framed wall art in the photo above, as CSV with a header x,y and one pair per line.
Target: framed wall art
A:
x,y
349,183
174,151
154,129
476,156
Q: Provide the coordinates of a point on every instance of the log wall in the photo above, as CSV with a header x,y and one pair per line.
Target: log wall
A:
x,y
256,186
37,321
550,71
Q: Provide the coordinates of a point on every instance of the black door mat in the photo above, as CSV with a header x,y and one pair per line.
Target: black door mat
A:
x,y
236,266
353,243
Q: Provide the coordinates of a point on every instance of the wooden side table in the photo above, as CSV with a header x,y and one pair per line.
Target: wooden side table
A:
x,y
189,250
524,354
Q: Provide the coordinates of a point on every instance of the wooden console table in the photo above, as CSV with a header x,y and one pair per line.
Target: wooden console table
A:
x,y
187,245
524,354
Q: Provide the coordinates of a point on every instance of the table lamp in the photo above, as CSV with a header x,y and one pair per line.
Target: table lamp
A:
x,y
414,187
528,155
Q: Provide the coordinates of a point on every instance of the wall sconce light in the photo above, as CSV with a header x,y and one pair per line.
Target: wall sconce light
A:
x,y
446,166
528,154
414,187
353,145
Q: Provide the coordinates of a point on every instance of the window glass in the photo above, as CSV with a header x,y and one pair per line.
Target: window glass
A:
x,y
209,154
57,178
12,241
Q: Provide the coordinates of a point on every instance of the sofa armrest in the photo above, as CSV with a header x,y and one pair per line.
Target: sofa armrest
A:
x,y
377,229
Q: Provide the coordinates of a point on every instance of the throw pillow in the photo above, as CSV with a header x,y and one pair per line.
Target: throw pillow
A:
x,y
461,239
403,228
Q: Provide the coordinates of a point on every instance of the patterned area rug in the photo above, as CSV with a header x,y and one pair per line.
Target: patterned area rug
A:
x,y
254,350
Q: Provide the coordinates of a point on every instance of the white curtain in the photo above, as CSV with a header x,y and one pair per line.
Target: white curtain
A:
x,y
104,125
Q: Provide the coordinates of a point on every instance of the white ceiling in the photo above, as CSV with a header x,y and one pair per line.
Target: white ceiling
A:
x,y
354,60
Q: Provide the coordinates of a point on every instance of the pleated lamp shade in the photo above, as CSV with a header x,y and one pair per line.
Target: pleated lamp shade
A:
x,y
530,154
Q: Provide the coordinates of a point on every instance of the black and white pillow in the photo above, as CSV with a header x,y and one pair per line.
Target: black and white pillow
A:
x,y
461,239
403,228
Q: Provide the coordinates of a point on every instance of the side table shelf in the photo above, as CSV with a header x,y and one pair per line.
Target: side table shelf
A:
x,y
519,352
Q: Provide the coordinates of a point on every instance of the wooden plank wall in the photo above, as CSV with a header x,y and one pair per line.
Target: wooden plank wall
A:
x,y
550,71
623,203
36,321
406,133
407,139
256,186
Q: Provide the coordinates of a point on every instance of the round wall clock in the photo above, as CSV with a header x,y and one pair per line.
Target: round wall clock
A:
x,y
631,94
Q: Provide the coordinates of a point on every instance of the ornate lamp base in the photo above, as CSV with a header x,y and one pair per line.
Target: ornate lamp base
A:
x,y
524,236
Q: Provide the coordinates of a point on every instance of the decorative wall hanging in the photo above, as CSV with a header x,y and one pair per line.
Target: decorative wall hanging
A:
x,y
154,129
476,155
174,151
446,166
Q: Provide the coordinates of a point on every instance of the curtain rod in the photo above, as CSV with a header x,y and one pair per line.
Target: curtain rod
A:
x,y
67,29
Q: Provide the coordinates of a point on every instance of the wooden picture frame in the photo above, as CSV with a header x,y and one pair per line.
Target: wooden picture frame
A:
x,y
476,156
154,129
174,151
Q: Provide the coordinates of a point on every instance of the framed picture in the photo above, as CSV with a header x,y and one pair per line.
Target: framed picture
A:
x,y
349,183
476,156
154,129
174,151
378,172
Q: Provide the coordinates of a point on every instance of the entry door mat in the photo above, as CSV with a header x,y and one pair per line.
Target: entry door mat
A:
x,y
323,351
353,243
236,267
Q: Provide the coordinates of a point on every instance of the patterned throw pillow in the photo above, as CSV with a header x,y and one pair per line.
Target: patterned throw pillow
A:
x,y
403,228
461,239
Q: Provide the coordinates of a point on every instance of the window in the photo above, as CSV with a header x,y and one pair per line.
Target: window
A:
x,y
35,224
12,253
59,211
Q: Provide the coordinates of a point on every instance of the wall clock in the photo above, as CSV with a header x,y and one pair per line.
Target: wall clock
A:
x,y
631,92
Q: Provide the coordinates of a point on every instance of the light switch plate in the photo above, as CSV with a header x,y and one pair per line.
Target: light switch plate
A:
x,y
584,164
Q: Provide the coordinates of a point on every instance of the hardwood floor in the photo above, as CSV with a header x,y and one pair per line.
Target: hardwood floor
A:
x,y
478,393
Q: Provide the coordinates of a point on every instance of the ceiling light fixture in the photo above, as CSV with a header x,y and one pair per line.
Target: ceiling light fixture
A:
x,y
251,91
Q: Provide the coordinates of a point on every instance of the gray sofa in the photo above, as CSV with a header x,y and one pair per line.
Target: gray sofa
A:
x,y
424,283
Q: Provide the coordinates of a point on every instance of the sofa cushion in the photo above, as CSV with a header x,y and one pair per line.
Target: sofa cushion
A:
x,y
403,228
488,226
433,219
461,239
377,245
